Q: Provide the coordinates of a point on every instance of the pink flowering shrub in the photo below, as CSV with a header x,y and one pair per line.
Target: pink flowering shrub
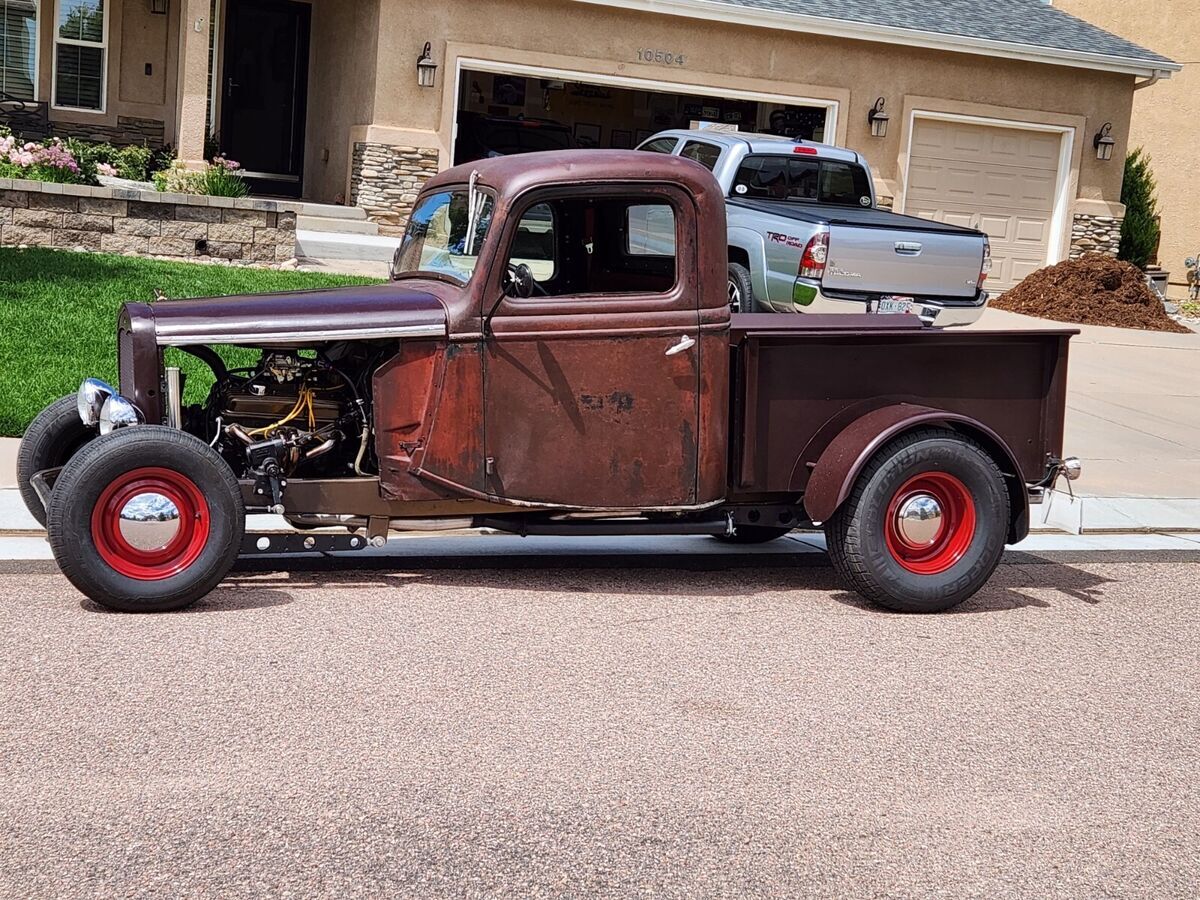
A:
x,y
49,161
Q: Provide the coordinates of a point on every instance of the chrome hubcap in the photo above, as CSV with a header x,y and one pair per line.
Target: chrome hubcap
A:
x,y
919,520
735,296
149,521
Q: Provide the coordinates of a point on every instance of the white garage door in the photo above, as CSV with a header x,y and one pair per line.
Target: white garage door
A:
x,y
999,180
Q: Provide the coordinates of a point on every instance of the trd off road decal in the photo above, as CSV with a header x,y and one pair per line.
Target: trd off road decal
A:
x,y
786,239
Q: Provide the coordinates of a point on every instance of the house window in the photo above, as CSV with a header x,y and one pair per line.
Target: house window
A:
x,y
79,54
18,48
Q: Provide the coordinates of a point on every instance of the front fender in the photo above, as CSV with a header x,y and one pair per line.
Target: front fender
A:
x,y
843,459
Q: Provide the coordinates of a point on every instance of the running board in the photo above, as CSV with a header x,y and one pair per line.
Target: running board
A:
x,y
605,528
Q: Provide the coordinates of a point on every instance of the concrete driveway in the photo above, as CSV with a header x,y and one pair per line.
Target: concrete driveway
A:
x,y
1133,408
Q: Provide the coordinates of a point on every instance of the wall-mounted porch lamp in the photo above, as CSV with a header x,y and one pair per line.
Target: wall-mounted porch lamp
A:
x,y
426,67
878,119
159,7
1103,141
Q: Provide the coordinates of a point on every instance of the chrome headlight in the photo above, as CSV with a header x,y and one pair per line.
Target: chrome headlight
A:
x,y
1072,468
118,412
90,400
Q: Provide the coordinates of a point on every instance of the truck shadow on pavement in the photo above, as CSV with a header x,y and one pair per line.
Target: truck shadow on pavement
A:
x,y
1024,580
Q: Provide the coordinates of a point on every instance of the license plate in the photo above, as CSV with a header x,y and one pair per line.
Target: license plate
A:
x,y
895,305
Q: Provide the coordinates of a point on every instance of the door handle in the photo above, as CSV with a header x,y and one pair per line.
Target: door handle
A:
x,y
687,342
908,248
230,84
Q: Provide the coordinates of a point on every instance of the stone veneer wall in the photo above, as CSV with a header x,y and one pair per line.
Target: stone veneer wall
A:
x,y
385,180
35,125
1095,234
116,220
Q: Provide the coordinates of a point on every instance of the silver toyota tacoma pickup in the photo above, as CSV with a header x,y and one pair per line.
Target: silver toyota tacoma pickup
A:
x,y
805,234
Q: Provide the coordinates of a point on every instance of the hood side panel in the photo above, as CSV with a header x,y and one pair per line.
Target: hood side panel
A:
x,y
296,319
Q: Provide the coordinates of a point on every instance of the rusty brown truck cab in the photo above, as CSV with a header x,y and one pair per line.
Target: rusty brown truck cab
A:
x,y
554,354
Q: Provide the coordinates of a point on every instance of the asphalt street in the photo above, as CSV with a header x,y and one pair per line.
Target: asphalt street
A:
x,y
660,725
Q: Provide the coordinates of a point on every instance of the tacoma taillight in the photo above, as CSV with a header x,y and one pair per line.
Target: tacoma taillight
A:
x,y
816,251
987,261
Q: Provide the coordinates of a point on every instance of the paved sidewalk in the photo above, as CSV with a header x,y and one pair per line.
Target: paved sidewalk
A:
x,y
475,549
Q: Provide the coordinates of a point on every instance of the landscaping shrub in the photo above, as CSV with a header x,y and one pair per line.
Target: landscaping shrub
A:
x,y
50,161
220,178
223,179
1140,230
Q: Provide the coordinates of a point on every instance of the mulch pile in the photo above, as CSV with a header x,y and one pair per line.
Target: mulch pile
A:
x,y
1092,290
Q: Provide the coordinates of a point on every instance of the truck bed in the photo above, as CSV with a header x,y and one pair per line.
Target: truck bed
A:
x,y
799,380
859,217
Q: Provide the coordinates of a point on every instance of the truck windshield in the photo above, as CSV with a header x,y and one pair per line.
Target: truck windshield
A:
x,y
803,180
444,234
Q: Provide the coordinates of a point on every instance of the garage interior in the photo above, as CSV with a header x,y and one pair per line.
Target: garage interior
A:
x,y
501,114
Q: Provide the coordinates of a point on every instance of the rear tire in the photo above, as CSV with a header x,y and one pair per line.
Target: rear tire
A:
x,y
51,439
922,564
109,558
741,292
753,534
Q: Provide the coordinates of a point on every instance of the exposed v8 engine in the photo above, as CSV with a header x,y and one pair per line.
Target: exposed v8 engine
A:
x,y
294,413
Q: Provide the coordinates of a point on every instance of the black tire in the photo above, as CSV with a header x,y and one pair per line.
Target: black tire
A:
x,y
741,292
753,534
189,465
51,439
863,542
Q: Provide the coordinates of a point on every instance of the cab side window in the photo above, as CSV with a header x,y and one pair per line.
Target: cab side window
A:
x,y
582,246
660,145
702,152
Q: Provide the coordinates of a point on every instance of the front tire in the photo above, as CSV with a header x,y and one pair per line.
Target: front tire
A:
x,y
146,519
54,436
925,524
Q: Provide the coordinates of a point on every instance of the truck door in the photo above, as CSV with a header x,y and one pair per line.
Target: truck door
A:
x,y
591,363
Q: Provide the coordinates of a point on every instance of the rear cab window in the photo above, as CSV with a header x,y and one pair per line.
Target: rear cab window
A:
x,y
803,180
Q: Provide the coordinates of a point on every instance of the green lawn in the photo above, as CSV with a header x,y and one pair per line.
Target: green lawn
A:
x,y
58,313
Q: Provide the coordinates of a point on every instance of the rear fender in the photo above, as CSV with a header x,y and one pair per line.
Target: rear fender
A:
x,y
843,459
751,244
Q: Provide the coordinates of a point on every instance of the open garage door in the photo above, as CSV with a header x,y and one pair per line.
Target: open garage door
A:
x,y
500,113
1001,180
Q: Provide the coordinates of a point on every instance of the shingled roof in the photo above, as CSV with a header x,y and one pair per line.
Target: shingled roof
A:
x,y
992,27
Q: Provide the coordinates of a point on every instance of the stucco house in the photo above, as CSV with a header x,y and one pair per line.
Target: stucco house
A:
x,y
992,106
1162,117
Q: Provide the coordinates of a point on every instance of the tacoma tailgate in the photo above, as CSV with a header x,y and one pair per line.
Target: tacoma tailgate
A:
x,y
875,251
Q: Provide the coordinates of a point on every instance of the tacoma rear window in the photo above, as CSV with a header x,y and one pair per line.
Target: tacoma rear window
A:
x,y
803,180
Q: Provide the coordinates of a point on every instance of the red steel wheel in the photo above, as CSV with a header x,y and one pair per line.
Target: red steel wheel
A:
x,y
150,523
930,523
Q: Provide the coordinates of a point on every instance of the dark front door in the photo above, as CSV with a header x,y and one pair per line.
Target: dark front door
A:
x,y
263,92
592,378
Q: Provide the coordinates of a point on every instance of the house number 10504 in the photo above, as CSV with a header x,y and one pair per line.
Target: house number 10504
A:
x,y
661,57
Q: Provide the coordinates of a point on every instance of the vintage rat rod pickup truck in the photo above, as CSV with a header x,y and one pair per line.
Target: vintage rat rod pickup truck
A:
x,y
544,362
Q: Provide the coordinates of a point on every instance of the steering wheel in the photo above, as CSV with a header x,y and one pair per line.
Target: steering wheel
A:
x,y
519,282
